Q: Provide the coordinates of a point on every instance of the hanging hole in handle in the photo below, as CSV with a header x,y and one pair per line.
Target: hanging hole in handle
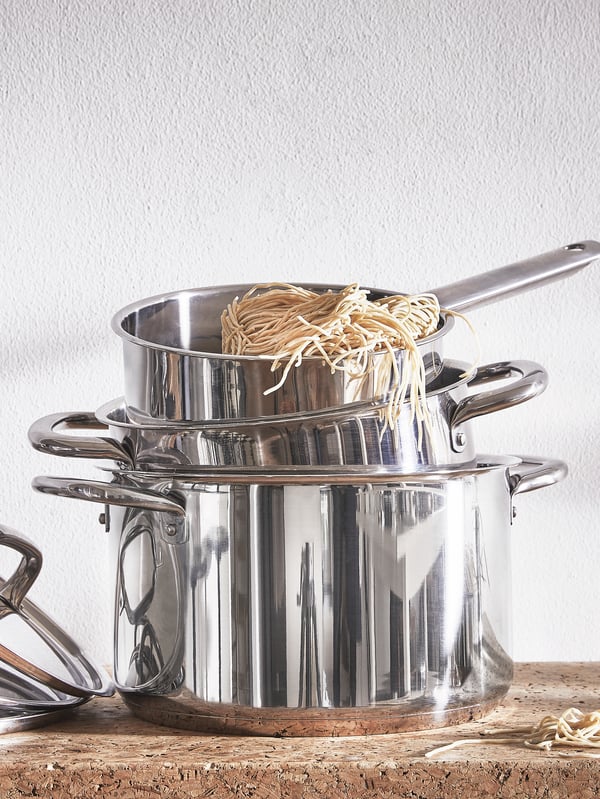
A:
x,y
575,247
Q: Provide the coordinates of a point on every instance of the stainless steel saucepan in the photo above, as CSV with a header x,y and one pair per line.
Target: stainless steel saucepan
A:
x,y
175,370
325,602
351,435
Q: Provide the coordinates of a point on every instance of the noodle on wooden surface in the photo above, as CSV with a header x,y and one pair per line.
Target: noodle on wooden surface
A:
x,y
574,729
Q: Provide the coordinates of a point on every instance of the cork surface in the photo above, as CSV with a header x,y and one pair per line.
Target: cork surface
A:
x,y
102,750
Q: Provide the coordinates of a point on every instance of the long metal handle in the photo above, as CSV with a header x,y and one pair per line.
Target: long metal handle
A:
x,y
14,589
533,473
45,436
479,290
531,380
107,494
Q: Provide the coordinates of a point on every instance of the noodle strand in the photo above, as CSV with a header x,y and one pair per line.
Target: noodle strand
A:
x,y
572,729
288,323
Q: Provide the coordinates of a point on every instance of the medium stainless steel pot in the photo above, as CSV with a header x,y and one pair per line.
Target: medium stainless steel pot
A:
x,y
174,368
351,435
319,602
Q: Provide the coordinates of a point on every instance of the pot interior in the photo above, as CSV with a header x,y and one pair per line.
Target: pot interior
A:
x,y
189,321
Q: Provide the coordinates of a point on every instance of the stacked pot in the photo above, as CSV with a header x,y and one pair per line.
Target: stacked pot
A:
x,y
286,563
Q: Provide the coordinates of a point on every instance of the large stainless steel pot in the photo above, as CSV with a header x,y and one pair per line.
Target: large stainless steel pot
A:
x,y
174,368
322,602
351,435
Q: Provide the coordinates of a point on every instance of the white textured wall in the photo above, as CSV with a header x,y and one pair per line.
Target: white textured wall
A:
x,y
150,146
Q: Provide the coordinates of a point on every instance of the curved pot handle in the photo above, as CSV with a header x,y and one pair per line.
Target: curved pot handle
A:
x,y
44,436
107,494
531,380
13,590
533,473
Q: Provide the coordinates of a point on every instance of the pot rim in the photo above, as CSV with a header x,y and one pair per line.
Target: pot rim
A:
x,y
119,318
321,475
106,412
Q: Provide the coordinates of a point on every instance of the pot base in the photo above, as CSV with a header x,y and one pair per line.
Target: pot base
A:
x,y
304,722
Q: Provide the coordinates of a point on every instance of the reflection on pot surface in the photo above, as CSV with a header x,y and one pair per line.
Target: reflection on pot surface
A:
x,y
356,436
144,563
316,597
306,603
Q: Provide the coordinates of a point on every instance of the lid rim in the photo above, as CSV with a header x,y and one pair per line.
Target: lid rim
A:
x,y
88,679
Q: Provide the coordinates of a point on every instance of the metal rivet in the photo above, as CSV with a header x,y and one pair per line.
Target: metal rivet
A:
x,y
102,518
514,512
460,441
171,529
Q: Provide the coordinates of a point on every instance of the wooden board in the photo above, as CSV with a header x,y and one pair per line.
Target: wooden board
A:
x,y
102,750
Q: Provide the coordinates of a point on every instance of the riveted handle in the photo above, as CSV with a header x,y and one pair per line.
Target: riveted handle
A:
x,y
53,434
528,380
107,494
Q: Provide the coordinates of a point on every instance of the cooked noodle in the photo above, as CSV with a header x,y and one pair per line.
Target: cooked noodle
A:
x,y
573,729
288,323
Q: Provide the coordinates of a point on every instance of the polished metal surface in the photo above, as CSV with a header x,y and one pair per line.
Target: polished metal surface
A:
x,y
278,608
348,436
95,491
19,720
25,629
174,368
131,490
507,281
14,589
20,694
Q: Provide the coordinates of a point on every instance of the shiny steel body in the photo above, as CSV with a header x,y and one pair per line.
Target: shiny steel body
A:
x,y
174,368
342,603
352,435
